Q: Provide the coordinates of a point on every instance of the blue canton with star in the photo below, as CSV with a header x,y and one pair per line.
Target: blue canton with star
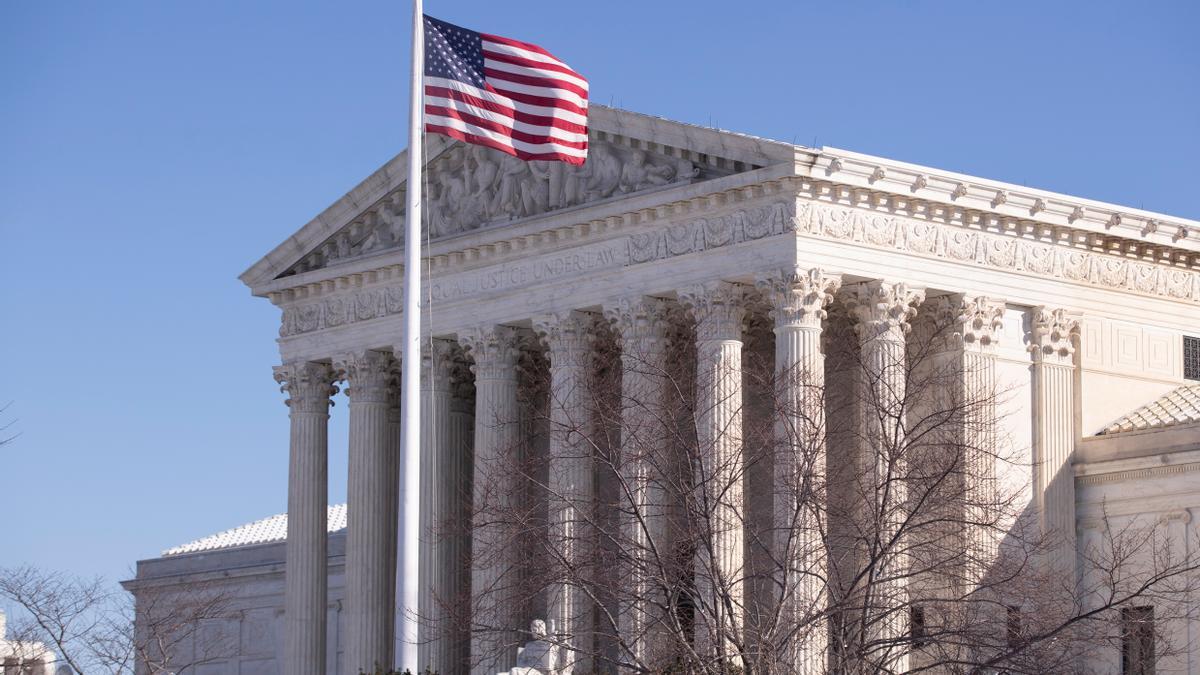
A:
x,y
453,53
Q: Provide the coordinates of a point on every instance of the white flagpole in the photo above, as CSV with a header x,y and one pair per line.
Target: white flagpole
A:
x,y
410,396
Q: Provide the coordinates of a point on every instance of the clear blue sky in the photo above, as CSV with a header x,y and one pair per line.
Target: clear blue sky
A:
x,y
151,151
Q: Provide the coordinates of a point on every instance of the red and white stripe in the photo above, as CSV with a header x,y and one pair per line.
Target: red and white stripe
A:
x,y
534,105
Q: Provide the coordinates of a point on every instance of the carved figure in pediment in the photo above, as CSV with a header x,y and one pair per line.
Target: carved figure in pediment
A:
x,y
639,173
555,176
380,235
537,186
396,219
481,170
451,194
573,182
602,172
685,169
510,200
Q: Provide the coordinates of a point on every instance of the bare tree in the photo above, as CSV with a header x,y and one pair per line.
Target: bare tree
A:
x,y
870,506
94,628
6,436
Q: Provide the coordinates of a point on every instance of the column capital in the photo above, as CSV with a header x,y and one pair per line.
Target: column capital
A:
x,y
970,322
567,336
639,318
370,374
1052,335
437,363
308,384
718,307
798,297
495,350
883,308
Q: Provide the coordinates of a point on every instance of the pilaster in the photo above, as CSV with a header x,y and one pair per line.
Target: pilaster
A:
x,y
969,329
1052,343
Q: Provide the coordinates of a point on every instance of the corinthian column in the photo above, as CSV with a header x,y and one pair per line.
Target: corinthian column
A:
x,y
435,567
798,301
371,493
884,310
720,466
1053,349
646,442
309,386
569,483
495,591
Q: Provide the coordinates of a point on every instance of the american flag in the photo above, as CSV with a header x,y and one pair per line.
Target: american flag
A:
x,y
505,94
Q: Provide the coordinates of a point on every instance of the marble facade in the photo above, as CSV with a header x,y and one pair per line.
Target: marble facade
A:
x,y
1078,307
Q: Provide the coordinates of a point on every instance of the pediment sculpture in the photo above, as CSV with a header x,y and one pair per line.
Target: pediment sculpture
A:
x,y
470,187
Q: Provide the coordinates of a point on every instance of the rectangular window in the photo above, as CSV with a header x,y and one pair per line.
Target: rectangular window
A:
x,y
1137,641
1014,626
916,618
1191,357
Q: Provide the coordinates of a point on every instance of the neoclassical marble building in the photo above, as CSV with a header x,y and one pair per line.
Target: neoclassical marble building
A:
x,y
1079,309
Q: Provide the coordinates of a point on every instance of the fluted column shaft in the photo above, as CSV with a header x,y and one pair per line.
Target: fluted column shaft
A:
x,y
884,310
798,301
720,466
457,546
309,387
435,568
371,491
569,482
646,441
494,579
1053,351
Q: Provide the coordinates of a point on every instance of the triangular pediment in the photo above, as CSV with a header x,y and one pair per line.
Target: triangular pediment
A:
x,y
470,188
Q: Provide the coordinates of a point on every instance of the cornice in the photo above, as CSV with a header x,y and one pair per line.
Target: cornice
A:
x,y
750,205
1137,474
1136,227
570,227
540,234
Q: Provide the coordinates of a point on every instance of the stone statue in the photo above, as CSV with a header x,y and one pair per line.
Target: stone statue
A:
x,y
539,655
603,168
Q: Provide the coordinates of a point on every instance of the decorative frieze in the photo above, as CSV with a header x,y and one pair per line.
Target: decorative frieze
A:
x,y
921,237
711,232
